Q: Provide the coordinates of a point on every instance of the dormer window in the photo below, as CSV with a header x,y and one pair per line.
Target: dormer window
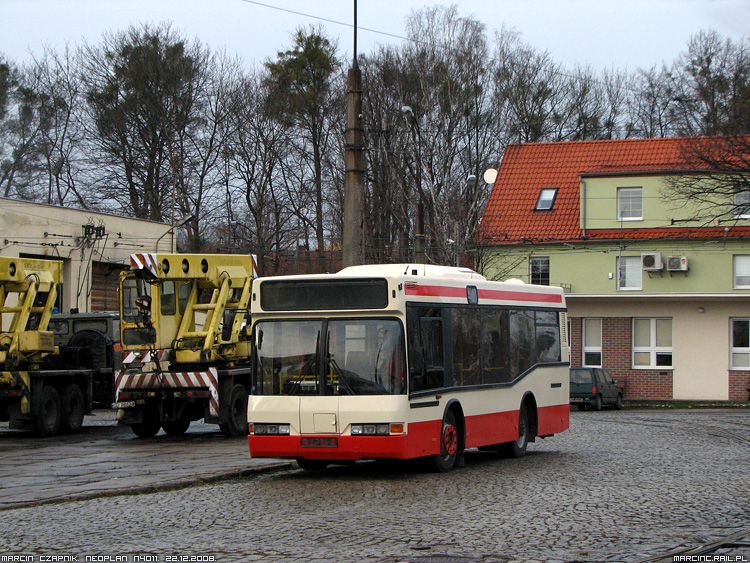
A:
x,y
630,204
742,204
546,199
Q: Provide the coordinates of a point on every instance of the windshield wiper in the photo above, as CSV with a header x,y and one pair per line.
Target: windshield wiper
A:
x,y
340,373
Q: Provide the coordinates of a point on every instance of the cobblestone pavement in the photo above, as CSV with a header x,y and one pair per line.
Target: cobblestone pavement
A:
x,y
619,486
105,459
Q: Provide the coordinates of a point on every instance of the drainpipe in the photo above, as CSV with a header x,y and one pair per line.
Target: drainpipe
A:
x,y
583,208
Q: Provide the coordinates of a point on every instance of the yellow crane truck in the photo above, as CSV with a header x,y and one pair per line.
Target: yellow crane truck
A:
x,y
185,347
41,386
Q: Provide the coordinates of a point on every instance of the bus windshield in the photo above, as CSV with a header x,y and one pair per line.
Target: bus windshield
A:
x,y
330,357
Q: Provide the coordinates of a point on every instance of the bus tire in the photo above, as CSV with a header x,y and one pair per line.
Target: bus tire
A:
x,y
149,425
449,444
47,420
237,423
73,407
312,464
517,448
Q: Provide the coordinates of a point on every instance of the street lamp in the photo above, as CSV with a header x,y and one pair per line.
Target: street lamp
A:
x,y
171,231
419,236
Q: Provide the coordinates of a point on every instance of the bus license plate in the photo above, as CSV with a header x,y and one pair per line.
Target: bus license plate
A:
x,y
318,442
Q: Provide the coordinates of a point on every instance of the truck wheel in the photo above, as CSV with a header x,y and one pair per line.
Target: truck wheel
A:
x,y
237,423
73,407
47,420
177,427
150,425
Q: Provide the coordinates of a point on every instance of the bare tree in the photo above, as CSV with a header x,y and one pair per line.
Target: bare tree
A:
x,y
196,151
19,130
711,83
56,81
307,92
718,191
265,224
651,105
141,91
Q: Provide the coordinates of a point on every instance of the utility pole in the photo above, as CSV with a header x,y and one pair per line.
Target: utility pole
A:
x,y
354,180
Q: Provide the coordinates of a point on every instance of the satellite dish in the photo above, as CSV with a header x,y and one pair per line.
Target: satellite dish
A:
x,y
490,175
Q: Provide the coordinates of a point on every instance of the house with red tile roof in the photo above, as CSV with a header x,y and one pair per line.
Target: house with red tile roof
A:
x,y
655,296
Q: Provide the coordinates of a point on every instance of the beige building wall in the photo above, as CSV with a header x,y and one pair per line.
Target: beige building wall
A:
x,y
700,336
83,240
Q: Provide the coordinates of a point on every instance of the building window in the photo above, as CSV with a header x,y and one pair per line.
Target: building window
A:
x,y
629,275
539,273
629,204
546,199
742,204
652,343
740,350
592,342
741,272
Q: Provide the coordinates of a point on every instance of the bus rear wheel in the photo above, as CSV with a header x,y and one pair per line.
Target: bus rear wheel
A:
x,y
517,448
449,444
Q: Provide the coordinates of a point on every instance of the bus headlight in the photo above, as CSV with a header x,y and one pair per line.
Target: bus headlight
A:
x,y
377,429
266,429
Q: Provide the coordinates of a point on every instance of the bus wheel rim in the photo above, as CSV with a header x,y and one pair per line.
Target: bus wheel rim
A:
x,y
450,439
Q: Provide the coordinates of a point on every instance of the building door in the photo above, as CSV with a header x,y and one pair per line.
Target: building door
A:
x,y
104,282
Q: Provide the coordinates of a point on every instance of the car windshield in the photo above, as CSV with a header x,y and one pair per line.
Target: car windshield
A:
x,y
329,357
580,376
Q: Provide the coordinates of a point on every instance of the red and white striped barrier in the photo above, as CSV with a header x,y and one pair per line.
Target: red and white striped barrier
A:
x,y
145,262
173,380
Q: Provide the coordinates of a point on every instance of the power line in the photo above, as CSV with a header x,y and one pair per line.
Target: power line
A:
x,y
420,42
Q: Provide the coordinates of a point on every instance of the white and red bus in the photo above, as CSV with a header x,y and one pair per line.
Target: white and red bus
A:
x,y
403,361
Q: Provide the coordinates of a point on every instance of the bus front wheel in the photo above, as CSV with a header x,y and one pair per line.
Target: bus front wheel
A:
x,y
312,464
449,444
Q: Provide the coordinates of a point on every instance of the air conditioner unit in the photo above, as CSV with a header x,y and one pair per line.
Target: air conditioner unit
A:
x,y
677,263
651,262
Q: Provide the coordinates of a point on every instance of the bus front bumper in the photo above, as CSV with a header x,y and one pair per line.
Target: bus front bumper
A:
x,y
348,448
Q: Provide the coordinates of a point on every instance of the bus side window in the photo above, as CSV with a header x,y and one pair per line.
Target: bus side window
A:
x,y
432,340
495,347
466,341
522,342
425,337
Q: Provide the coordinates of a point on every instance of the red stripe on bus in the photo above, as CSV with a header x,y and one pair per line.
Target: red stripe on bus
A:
x,y
434,290
492,294
503,295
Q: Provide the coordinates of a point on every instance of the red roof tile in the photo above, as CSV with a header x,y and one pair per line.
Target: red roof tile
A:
x,y
525,169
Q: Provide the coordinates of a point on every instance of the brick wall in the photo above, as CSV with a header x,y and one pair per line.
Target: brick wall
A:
x,y
739,385
616,357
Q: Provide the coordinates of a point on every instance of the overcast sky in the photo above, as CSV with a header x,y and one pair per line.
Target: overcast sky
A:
x,y
621,34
